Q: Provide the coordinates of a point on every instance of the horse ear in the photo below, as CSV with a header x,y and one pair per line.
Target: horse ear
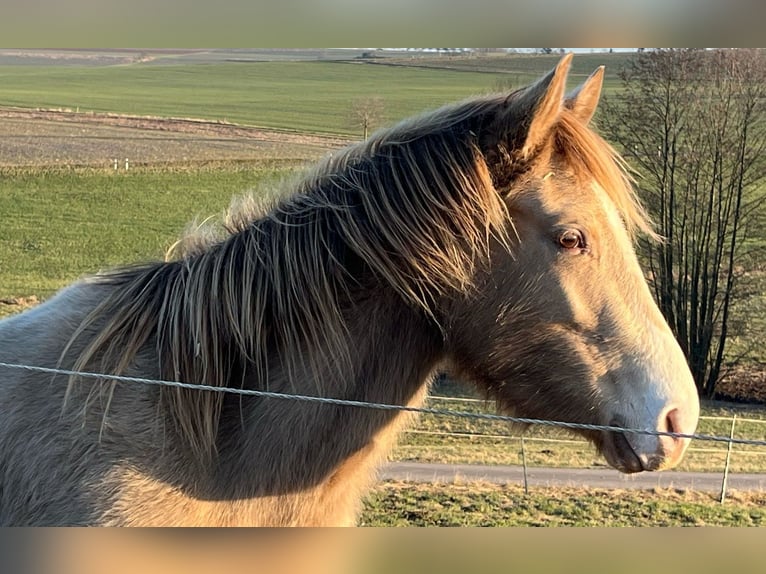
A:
x,y
543,100
584,99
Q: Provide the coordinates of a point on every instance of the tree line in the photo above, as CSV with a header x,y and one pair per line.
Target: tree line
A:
x,y
691,123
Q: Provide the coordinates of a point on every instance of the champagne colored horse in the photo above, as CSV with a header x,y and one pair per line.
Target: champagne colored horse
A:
x,y
492,236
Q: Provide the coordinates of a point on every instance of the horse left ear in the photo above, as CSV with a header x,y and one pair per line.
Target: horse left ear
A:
x,y
524,122
543,101
583,100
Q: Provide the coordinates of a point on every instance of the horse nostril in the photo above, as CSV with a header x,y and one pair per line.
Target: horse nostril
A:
x,y
672,422
674,446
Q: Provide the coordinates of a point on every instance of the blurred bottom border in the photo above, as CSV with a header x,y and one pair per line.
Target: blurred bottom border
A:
x,y
379,551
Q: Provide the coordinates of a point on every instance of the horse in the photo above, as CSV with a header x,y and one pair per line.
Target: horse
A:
x,y
492,237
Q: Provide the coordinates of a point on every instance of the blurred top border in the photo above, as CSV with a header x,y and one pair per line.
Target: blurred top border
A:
x,y
355,23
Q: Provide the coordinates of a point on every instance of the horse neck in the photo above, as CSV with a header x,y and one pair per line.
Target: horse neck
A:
x,y
287,445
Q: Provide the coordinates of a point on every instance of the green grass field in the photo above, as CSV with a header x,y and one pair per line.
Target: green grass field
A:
x,y
524,66
407,504
303,96
59,225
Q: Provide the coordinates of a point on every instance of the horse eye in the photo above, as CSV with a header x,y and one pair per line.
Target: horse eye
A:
x,y
571,239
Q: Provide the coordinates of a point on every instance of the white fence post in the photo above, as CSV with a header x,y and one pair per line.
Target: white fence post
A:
x,y
524,465
728,458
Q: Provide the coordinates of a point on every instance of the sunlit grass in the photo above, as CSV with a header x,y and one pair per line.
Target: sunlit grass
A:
x,y
300,96
58,225
313,96
478,504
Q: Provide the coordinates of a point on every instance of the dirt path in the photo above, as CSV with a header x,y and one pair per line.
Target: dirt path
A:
x,y
595,478
32,137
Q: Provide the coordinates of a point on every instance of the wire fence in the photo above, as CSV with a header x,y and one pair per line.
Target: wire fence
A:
x,y
572,441
482,402
378,406
729,441
580,441
544,449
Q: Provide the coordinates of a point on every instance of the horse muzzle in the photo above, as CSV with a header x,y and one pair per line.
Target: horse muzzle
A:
x,y
632,452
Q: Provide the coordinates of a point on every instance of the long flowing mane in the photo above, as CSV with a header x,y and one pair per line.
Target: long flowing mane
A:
x,y
415,207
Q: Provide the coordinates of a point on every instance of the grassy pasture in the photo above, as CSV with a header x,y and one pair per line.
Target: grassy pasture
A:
x,y
526,67
475,504
302,96
310,96
59,225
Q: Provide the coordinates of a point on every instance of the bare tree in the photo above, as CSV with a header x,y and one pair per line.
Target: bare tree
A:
x,y
692,122
366,113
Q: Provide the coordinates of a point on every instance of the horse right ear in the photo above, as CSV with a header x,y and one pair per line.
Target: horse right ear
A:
x,y
583,101
540,105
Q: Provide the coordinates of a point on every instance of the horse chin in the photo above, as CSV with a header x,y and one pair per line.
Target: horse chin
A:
x,y
619,454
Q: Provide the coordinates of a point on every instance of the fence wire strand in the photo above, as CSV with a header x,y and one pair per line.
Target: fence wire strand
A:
x,y
377,406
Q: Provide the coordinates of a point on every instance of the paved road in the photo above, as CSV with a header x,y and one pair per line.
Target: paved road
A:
x,y
596,478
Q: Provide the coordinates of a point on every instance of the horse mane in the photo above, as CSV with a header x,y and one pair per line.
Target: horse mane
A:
x,y
414,207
